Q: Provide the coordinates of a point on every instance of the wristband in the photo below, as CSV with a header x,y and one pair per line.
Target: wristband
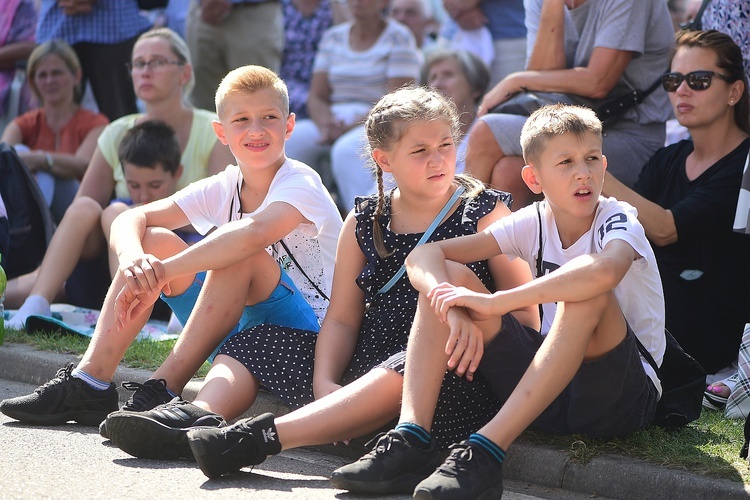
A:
x,y
50,161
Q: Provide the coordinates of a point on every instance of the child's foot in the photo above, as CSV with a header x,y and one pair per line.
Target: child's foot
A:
x,y
716,394
468,473
62,399
34,305
146,396
228,449
161,433
393,466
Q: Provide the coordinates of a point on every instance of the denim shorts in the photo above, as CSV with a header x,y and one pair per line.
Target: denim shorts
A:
x,y
285,307
609,397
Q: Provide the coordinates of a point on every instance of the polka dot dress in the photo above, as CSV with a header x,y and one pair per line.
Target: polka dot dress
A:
x,y
282,358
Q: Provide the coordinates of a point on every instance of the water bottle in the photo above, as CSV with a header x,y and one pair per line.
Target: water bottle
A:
x,y
3,282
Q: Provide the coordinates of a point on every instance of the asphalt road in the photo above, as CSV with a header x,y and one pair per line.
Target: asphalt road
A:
x,y
73,461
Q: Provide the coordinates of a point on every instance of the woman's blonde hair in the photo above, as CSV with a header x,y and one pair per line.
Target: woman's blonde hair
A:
x,y
388,122
66,54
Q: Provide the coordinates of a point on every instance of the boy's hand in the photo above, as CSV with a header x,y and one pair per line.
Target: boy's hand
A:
x,y
445,296
129,305
145,275
465,344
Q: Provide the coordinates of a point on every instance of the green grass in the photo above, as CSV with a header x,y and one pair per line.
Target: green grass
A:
x,y
143,354
709,446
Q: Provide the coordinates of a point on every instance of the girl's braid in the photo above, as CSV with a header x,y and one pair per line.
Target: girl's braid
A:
x,y
377,231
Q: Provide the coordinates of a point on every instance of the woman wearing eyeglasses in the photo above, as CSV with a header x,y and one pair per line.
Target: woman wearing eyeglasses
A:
x,y
162,78
686,197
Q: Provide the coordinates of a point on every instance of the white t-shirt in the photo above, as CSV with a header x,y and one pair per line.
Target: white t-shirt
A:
x,y
214,201
639,292
361,76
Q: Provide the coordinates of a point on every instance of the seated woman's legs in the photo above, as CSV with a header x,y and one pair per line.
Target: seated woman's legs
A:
x,y
108,217
350,170
77,237
494,155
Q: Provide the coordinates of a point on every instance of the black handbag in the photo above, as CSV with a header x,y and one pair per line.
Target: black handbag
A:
x,y
609,110
683,381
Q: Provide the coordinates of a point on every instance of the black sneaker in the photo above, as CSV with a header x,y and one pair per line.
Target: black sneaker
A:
x,y
468,473
248,442
393,466
146,396
62,399
160,433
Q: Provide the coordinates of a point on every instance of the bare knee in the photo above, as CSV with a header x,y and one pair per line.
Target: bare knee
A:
x,y
593,307
460,275
109,214
84,208
162,242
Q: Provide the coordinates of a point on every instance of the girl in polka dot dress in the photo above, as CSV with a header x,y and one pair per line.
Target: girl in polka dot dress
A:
x,y
346,381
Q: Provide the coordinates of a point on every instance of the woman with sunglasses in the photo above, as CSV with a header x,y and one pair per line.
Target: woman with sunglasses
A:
x,y
162,78
686,197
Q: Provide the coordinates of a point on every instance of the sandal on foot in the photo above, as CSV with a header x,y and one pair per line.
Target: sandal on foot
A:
x,y
715,401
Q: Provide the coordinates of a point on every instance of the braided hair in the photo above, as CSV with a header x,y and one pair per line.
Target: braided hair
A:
x,y
388,122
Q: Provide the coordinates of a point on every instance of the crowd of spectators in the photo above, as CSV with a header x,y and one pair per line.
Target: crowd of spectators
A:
x,y
339,57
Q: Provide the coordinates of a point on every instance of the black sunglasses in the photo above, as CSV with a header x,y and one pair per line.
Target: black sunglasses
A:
x,y
696,80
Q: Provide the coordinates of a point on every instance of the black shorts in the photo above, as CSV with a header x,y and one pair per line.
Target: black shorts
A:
x,y
608,397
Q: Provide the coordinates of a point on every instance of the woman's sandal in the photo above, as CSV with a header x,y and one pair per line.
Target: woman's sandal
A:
x,y
716,395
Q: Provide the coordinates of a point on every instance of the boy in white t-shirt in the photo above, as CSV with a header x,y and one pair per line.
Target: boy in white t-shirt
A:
x,y
600,288
269,255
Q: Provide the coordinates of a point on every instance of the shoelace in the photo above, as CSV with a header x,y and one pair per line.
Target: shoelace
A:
x,y
380,444
458,459
62,375
143,392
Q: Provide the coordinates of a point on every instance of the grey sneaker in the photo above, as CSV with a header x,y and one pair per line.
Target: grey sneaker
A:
x,y
146,396
160,433
393,466
62,399
248,442
469,473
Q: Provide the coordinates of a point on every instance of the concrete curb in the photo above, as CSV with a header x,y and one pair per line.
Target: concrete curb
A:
x,y
607,476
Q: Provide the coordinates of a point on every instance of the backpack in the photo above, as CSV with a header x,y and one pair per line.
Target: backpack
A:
x,y
683,381
30,222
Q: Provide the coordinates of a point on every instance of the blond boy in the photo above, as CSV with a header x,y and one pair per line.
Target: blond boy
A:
x,y
252,278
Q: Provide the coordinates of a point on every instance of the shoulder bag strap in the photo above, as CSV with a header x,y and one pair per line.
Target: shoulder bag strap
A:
x,y
647,356
539,257
302,270
424,237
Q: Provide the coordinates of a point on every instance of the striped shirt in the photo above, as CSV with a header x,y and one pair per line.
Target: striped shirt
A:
x,y
109,22
362,76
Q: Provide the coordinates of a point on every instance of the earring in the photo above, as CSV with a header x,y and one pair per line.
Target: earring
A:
x,y
731,102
